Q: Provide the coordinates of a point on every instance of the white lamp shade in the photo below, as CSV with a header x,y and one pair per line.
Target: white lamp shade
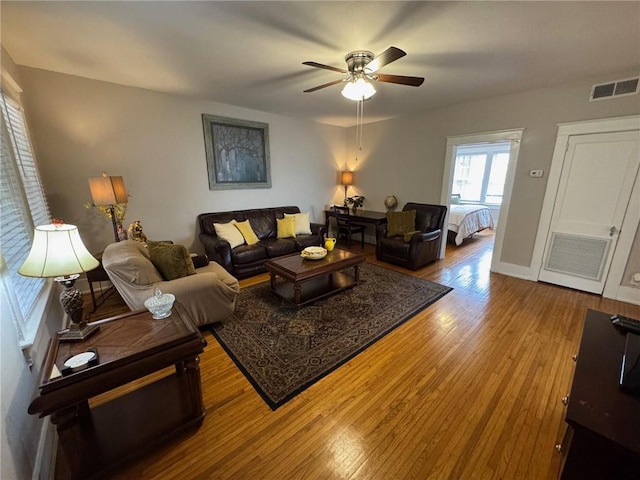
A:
x,y
358,90
57,251
107,190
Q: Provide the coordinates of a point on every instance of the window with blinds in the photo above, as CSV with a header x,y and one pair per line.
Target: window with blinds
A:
x,y
24,206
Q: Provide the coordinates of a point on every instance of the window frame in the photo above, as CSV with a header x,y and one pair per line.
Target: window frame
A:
x,y
490,151
28,201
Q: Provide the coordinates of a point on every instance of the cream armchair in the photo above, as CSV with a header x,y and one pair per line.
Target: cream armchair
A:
x,y
208,296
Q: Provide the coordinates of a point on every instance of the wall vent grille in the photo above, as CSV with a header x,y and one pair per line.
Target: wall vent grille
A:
x,y
618,88
582,257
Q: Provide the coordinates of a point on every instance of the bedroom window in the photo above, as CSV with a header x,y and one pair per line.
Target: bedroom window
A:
x,y
23,207
480,173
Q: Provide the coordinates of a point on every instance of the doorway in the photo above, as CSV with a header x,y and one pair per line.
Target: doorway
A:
x,y
503,142
591,209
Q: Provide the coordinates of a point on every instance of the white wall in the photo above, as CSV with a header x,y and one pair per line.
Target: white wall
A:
x,y
406,156
155,141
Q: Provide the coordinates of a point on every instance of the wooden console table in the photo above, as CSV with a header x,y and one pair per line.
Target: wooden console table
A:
x,y
98,439
602,439
367,217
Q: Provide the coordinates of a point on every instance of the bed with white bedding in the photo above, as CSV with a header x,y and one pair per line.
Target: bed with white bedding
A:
x,y
465,220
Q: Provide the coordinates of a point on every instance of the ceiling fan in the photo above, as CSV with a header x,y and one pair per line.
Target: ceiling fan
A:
x,y
363,65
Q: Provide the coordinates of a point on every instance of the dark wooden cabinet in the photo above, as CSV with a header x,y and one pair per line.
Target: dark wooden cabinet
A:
x,y
98,439
602,440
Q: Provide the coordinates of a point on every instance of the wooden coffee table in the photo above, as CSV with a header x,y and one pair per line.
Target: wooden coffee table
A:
x,y
97,439
306,280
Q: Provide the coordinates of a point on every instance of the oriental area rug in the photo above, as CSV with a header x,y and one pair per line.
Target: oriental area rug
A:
x,y
282,349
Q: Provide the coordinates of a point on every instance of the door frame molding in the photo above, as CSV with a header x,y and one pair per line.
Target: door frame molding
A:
x,y
514,136
566,130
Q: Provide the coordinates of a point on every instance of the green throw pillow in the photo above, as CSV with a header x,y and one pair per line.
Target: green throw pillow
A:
x,y
399,223
408,236
172,261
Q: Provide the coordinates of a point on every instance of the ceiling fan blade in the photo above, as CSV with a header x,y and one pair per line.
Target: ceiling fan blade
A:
x,y
326,67
335,82
402,80
391,54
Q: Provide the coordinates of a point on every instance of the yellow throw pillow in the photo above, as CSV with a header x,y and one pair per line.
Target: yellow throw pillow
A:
x,y
247,232
229,232
303,227
286,227
399,223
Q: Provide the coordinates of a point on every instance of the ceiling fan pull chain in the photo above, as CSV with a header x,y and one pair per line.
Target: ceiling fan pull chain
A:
x,y
361,123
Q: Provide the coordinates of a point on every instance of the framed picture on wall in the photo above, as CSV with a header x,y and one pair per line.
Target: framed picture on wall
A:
x,y
237,153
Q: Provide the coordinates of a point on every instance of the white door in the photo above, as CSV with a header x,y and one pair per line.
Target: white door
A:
x,y
598,174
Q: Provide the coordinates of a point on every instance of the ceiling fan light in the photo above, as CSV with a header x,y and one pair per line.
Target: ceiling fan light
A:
x,y
357,90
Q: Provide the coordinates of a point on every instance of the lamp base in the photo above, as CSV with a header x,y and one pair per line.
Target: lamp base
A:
x,y
71,301
77,333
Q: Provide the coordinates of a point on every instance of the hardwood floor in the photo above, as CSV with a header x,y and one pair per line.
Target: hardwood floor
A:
x,y
469,388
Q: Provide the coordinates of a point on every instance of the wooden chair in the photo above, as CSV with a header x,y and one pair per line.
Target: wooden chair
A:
x,y
345,226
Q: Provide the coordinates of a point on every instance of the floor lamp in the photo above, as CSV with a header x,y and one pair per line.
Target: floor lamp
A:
x,y
58,252
108,192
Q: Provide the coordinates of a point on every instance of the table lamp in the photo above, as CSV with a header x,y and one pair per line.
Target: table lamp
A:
x,y
108,192
58,252
346,179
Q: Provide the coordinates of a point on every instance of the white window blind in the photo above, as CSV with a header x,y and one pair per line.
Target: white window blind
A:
x,y
23,206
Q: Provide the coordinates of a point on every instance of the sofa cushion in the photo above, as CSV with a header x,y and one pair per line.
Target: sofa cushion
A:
x,y
304,241
229,232
303,226
263,222
286,227
247,232
278,247
248,253
171,260
399,223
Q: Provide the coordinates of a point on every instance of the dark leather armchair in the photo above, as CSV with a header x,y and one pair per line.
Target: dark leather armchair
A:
x,y
424,244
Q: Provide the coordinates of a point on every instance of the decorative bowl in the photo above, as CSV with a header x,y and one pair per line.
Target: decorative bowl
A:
x,y
160,305
314,253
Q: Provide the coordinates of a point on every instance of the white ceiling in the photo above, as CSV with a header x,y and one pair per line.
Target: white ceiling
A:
x,y
250,54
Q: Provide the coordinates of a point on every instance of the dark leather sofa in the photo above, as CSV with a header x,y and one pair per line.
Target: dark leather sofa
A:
x,y
424,245
247,260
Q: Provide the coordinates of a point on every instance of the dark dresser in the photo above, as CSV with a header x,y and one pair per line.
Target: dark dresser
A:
x,y
602,439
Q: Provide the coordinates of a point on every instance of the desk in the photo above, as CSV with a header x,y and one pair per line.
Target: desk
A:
x,y
98,439
601,440
361,216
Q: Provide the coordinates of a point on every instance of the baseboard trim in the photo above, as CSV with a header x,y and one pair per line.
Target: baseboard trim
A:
x,y
513,270
628,295
45,462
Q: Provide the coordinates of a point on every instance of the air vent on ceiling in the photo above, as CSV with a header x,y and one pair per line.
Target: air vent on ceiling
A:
x,y
617,88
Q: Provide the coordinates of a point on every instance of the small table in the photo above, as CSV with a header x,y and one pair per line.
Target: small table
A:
x,y
320,277
99,439
99,274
